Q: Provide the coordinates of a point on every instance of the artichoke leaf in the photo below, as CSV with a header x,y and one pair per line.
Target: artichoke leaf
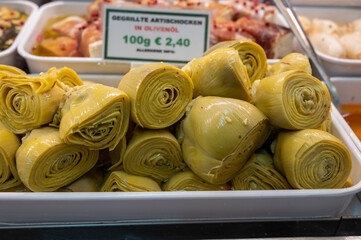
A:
x,y
219,73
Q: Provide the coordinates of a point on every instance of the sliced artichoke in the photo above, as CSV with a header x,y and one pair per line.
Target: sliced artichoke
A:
x,y
292,100
95,115
220,134
219,73
120,181
159,94
259,174
312,159
188,181
292,61
252,56
45,163
153,153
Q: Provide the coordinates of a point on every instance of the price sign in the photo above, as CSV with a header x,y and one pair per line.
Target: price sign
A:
x,y
142,34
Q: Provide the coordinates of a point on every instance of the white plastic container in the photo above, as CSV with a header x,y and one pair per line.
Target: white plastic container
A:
x,y
9,56
334,66
183,206
84,65
38,64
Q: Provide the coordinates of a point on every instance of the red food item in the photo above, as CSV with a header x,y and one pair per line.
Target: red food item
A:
x,y
87,36
268,35
59,47
69,26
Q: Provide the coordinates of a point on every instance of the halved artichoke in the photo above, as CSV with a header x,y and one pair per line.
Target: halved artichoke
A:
x,y
159,94
220,73
220,134
292,100
153,153
312,159
45,163
94,115
252,55
30,102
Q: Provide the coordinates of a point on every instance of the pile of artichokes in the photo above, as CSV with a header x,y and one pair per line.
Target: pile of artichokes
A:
x,y
225,121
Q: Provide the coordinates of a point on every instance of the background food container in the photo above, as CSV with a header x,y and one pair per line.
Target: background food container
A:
x,y
9,56
339,14
38,64
349,90
183,206
84,65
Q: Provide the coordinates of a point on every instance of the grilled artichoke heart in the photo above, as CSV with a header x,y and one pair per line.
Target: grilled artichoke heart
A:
x,y
220,73
312,159
45,163
120,181
9,144
292,61
159,94
30,102
220,134
259,174
153,153
188,181
252,56
94,115
292,100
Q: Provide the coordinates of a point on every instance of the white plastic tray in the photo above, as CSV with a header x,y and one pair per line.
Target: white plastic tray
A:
x,y
84,65
183,206
8,56
335,66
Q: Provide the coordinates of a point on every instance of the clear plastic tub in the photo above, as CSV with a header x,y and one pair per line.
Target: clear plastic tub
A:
x,y
9,56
